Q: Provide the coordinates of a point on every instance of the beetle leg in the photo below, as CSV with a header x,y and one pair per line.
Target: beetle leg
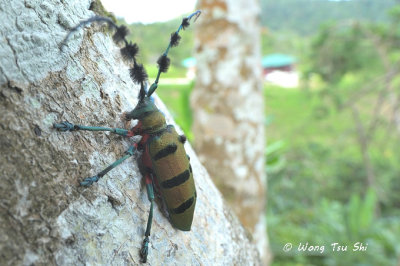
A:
x,y
182,139
66,126
150,194
90,180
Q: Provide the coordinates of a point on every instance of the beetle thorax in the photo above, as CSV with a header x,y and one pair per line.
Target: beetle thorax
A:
x,y
153,122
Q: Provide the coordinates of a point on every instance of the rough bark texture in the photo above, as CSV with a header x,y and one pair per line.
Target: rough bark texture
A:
x,y
45,217
228,106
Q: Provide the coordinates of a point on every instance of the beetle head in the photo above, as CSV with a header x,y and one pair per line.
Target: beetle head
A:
x,y
144,107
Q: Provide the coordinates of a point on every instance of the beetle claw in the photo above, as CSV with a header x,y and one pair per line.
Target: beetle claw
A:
x,y
145,249
64,126
89,181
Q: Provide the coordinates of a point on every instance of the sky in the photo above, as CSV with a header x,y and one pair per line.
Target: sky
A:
x,y
149,11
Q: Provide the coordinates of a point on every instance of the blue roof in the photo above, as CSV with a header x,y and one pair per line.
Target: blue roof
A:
x,y
271,60
189,62
277,60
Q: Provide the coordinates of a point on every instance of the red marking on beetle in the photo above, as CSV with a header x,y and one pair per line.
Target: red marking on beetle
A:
x,y
136,130
148,179
146,159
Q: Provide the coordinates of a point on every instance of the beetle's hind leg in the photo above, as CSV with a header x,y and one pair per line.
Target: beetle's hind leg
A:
x,y
90,180
150,194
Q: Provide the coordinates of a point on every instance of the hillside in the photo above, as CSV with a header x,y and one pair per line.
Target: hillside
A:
x,y
305,16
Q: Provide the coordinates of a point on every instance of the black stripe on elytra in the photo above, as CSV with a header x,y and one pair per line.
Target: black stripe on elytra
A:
x,y
171,148
190,168
184,206
176,180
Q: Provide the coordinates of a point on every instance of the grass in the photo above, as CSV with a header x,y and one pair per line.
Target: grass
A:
x,y
299,117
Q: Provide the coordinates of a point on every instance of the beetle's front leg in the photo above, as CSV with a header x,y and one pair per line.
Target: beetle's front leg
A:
x,y
64,126
67,126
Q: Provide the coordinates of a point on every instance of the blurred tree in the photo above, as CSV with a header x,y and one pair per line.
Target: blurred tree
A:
x,y
228,108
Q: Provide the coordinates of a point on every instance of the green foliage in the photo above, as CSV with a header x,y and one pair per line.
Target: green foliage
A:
x,y
305,16
333,59
330,222
275,158
320,195
360,215
316,196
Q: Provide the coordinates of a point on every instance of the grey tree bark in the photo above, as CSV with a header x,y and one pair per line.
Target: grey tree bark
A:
x,y
45,217
228,108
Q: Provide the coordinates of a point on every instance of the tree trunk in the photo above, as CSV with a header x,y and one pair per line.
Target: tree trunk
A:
x,y
228,108
45,217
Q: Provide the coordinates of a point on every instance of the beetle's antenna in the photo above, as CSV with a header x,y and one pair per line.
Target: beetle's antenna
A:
x,y
84,23
164,61
129,51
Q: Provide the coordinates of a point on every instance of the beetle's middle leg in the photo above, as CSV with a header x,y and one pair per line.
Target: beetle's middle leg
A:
x,y
90,180
67,126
